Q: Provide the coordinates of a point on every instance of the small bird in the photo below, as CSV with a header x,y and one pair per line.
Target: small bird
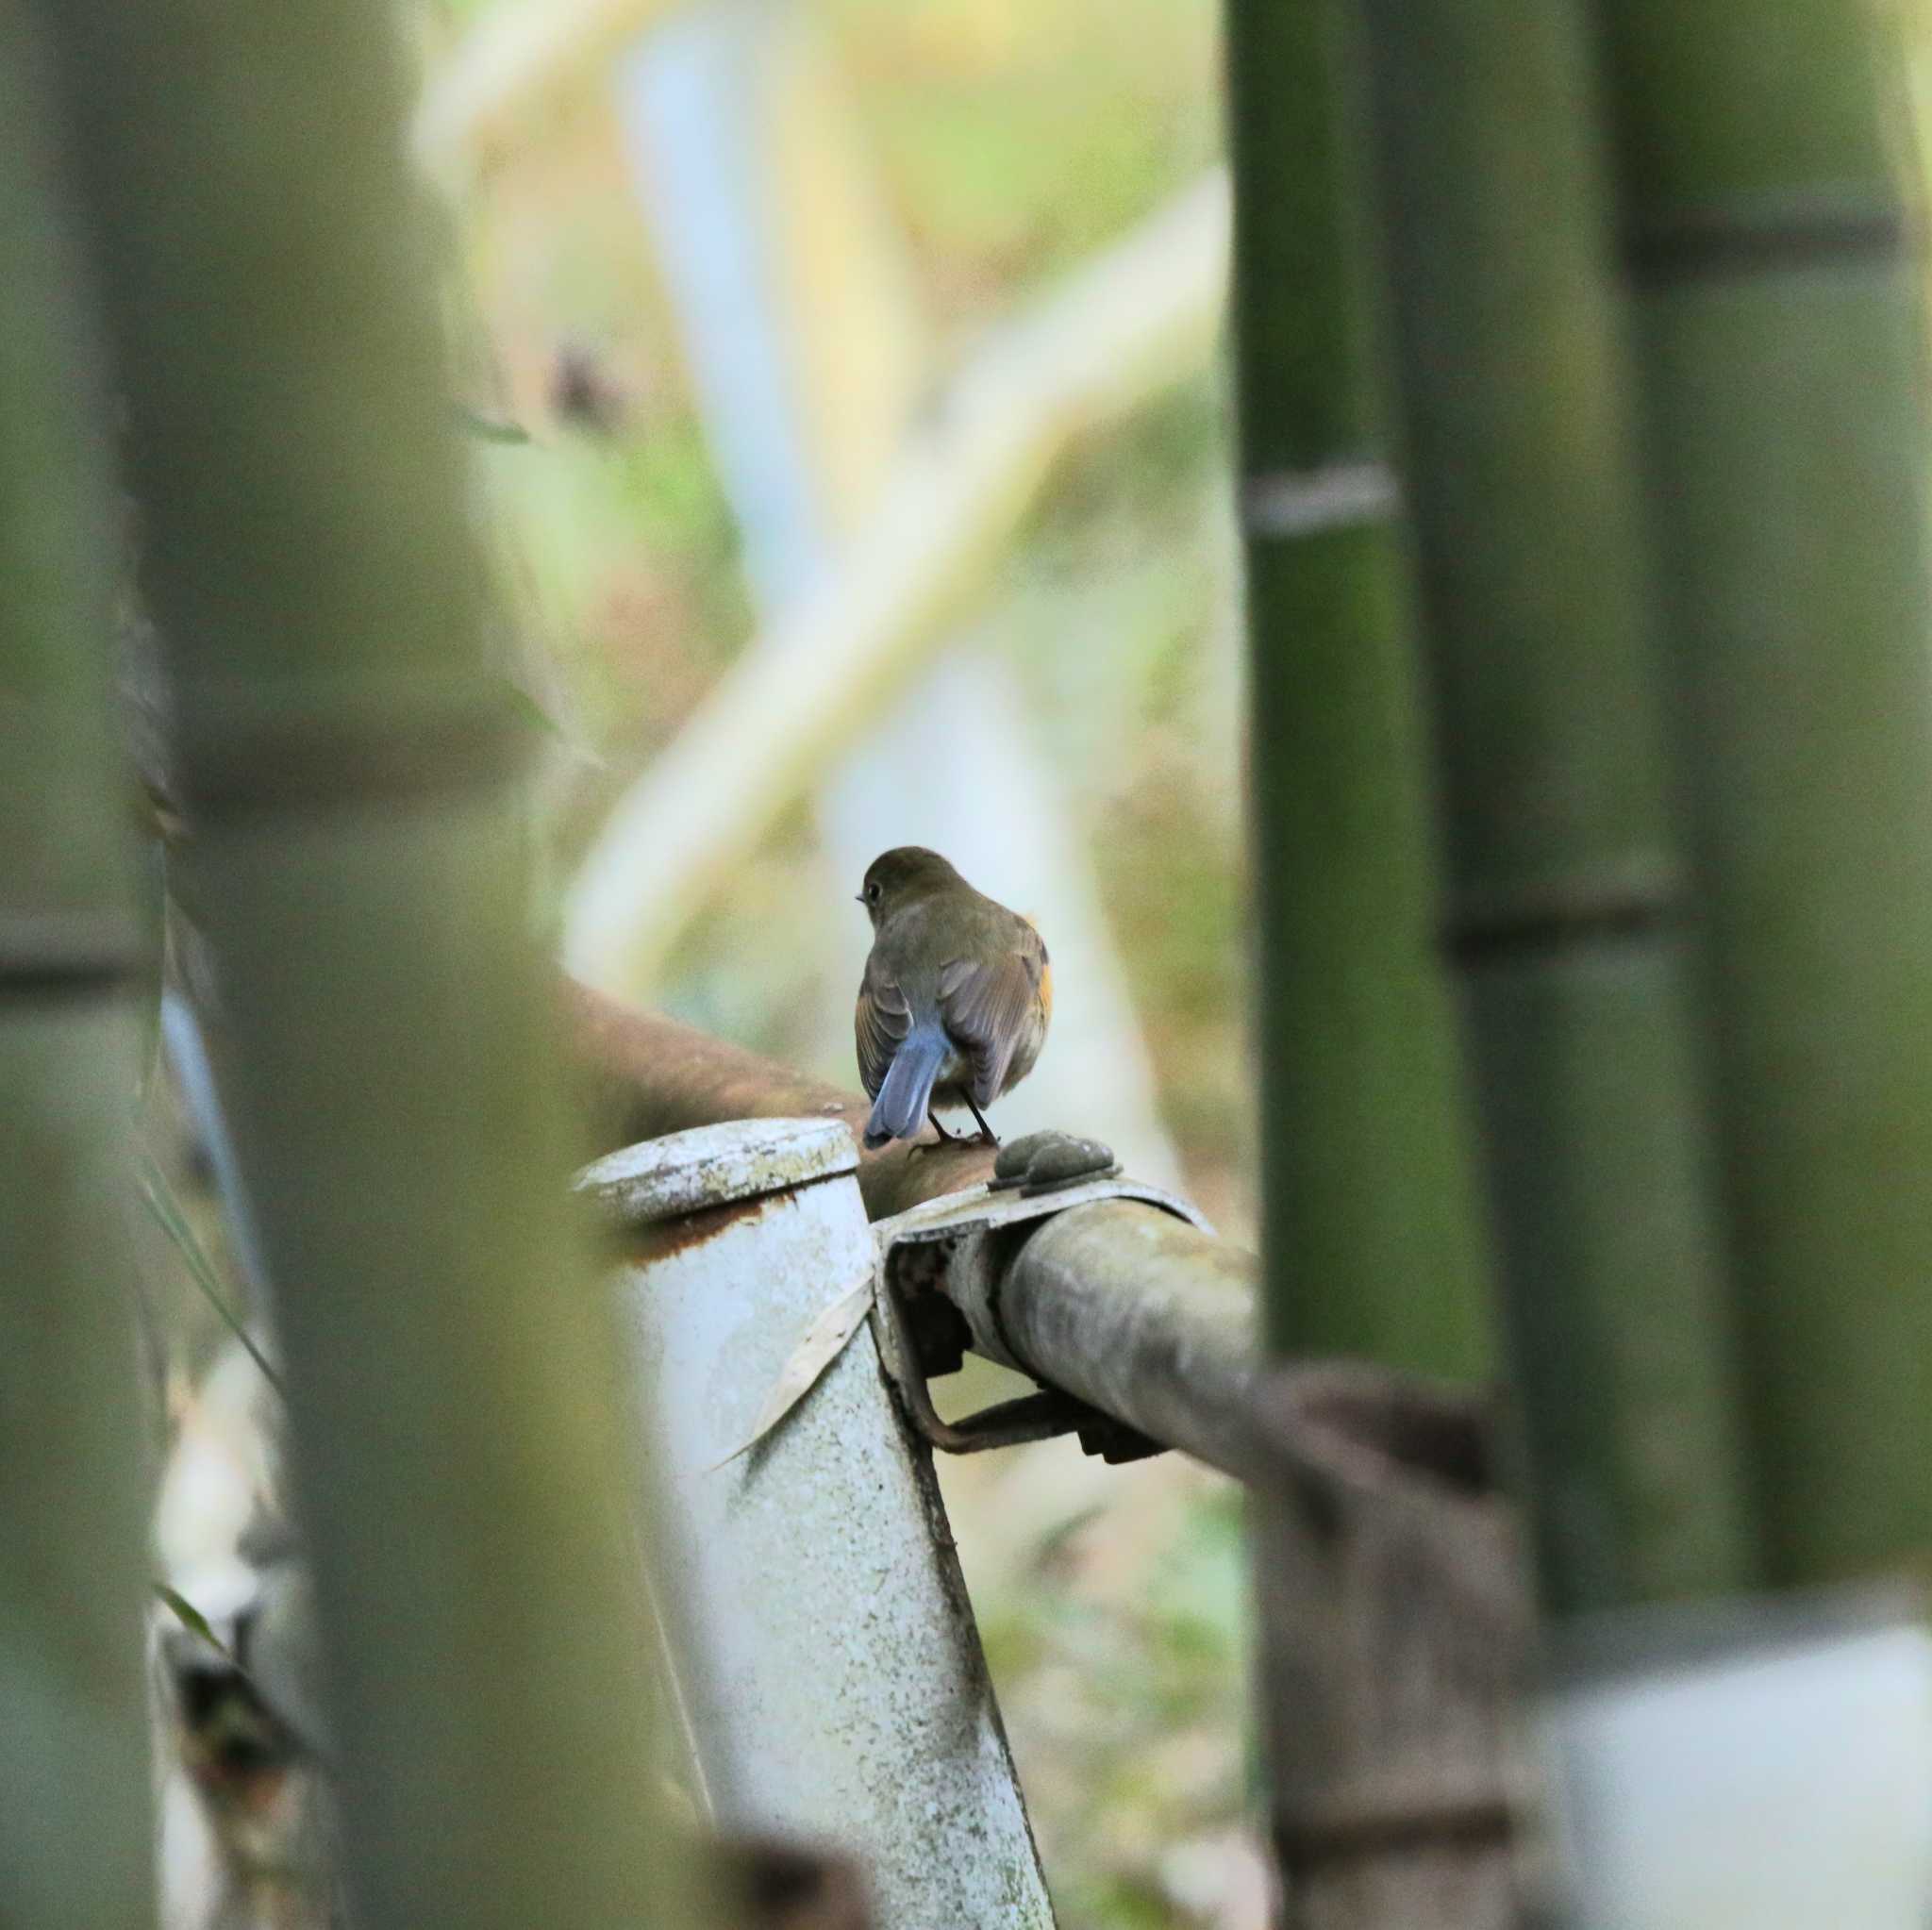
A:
x,y
954,1003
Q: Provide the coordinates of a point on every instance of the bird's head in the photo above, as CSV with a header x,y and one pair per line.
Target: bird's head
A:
x,y
896,877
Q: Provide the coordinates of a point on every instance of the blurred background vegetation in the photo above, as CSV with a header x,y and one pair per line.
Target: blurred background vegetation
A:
x,y
1007,143
1011,140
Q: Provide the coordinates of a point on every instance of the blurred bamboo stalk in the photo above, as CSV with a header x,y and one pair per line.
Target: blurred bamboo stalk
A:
x,y
1118,330
1392,1629
1776,280
347,770
1567,906
75,1832
519,53
1370,1227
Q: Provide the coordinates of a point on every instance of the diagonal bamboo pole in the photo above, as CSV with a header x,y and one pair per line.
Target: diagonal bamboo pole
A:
x,y
1769,249
75,1841
357,849
1567,901
1369,1222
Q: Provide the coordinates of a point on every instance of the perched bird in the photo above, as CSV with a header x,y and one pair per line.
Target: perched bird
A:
x,y
954,1003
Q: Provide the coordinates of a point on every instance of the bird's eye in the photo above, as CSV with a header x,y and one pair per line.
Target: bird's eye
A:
x,y
872,894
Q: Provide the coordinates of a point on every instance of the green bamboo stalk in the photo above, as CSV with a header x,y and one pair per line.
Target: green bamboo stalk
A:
x,y
76,1834
1777,297
347,766
1370,1227
1566,897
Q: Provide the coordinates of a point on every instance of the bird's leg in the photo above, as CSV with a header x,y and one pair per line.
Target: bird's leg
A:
x,y
986,1132
945,1139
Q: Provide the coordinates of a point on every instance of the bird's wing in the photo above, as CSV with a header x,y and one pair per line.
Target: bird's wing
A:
x,y
881,1023
986,1004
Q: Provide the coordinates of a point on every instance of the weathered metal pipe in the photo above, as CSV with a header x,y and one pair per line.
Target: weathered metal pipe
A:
x,y
1148,1319
1136,1312
1398,1626
1142,1315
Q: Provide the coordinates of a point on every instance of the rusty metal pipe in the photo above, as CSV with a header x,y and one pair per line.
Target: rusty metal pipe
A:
x,y
644,1076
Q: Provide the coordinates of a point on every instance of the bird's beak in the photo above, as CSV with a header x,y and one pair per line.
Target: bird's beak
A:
x,y
859,897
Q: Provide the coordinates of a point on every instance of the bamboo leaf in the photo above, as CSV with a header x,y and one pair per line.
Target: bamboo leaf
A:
x,y
491,428
822,1345
191,1618
533,713
162,1203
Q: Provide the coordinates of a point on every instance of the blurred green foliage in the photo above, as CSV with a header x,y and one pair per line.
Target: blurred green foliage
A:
x,y
1019,137
1119,1642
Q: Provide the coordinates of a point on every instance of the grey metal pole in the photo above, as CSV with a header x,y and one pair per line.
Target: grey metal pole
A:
x,y
1149,1319
828,1664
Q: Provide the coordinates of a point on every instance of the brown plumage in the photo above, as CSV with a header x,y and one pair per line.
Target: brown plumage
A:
x,y
954,1005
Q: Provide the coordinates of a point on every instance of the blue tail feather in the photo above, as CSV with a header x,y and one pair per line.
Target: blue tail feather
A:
x,y
900,1110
